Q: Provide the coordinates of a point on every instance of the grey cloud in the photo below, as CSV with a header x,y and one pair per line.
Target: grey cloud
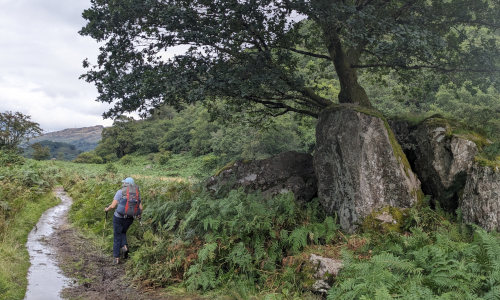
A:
x,y
41,57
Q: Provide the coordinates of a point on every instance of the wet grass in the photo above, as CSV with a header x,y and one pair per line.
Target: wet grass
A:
x,y
14,257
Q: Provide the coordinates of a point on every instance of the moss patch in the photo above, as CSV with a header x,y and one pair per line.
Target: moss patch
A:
x,y
484,162
487,150
228,166
374,223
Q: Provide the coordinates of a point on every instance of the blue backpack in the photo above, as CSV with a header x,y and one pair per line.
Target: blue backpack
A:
x,y
130,201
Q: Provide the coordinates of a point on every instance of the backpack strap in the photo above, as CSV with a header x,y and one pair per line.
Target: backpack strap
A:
x,y
138,201
128,199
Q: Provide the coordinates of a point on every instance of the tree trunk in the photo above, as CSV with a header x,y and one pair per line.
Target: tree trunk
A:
x,y
350,90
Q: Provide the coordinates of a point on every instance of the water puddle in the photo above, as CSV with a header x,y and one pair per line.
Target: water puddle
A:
x,y
45,279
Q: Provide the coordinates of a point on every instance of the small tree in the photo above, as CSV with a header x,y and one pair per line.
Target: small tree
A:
x,y
40,152
14,127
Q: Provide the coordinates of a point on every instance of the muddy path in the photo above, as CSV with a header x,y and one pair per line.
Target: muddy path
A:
x,y
90,271
45,279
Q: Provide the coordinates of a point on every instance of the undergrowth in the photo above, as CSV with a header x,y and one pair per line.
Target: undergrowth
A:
x,y
239,239
24,195
241,245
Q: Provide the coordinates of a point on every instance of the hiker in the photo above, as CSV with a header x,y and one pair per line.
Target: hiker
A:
x,y
128,200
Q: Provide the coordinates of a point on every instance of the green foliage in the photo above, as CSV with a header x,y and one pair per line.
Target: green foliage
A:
x,y
14,127
492,151
434,259
8,158
40,152
192,130
245,236
126,160
88,158
259,70
62,151
111,168
210,162
164,157
474,107
24,196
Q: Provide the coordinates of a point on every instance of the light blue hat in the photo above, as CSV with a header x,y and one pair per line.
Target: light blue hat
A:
x,y
128,180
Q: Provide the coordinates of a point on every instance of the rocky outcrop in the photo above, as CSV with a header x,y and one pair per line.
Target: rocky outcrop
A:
x,y
326,269
360,166
440,159
286,172
480,201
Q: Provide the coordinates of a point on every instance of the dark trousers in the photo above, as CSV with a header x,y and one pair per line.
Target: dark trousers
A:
x,y
120,227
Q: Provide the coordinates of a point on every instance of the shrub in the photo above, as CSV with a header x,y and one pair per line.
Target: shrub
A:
x,y
88,158
10,158
209,162
126,160
164,157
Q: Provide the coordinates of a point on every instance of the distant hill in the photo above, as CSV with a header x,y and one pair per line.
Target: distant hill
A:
x,y
84,139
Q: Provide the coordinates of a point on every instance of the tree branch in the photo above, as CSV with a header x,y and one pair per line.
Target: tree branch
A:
x,y
278,105
418,67
310,53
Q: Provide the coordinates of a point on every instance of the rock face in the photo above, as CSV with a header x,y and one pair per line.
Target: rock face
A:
x,y
359,166
288,171
480,202
441,160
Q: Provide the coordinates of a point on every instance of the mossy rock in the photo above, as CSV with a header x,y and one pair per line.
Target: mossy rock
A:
x,y
387,219
227,166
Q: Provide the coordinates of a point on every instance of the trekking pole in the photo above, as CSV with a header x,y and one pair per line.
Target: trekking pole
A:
x,y
104,229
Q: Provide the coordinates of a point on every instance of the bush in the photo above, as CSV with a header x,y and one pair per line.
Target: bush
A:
x,y
126,160
209,162
164,157
10,158
88,158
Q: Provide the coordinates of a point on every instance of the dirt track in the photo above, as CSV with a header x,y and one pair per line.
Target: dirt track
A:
x,y
93,274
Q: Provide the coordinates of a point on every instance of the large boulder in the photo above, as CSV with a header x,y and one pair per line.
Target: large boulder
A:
x,y
286,172
439,158
480,201
360,166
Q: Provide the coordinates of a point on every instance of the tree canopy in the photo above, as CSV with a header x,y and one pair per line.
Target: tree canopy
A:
x,y
248,52
14,127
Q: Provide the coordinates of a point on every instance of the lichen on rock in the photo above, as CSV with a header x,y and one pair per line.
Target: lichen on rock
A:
x,y
440,158
286,172
359,165
480,201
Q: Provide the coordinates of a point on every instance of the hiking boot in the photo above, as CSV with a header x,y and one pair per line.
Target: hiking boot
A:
x,y
124,250
116,261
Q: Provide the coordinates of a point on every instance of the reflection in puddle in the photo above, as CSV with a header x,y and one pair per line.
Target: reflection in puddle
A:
x,y
45,279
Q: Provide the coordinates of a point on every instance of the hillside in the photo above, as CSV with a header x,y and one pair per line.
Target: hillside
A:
x,y
59,150
84,139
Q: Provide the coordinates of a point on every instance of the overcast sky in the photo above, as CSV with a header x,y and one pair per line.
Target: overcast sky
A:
x,y
41,56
